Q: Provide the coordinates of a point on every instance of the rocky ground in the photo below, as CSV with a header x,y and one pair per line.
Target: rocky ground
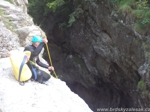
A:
x,y
35,97
16,29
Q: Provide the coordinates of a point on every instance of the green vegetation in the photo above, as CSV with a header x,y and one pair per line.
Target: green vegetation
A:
x,y
139,10
145,93
38,10
54,4
64,9
8,24
6,21
146,47
141,85
142,88
41,10
74,15
10,1
1,12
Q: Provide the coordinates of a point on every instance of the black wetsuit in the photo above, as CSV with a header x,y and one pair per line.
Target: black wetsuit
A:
x,y
43,76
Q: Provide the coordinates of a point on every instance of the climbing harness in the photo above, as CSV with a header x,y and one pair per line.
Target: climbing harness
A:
x,y
33,63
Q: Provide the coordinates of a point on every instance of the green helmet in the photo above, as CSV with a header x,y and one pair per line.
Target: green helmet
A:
x,y
36,39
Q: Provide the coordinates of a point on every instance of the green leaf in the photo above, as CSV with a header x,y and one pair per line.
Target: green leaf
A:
x,y
55,4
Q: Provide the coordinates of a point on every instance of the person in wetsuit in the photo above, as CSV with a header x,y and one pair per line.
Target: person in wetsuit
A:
x,y
35,49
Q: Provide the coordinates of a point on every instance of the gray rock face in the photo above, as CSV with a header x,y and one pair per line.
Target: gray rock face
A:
x,y
8,41
16,26
100,58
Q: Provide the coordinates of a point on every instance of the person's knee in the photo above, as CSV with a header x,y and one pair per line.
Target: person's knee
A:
x,y
48,77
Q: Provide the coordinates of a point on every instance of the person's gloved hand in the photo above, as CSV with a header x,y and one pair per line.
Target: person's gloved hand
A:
x,y
51,68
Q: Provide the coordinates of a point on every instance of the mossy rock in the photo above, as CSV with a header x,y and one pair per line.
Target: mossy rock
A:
x,y
145,93
141,85
80,62
10,1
